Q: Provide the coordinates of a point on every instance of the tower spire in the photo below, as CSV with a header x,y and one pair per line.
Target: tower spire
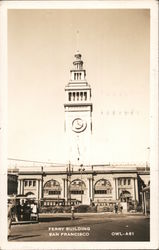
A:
x,y
77,41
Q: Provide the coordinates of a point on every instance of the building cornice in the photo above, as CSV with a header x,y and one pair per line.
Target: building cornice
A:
x,y
77,172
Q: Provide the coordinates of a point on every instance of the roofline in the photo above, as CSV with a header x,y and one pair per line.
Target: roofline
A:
x,y
77,172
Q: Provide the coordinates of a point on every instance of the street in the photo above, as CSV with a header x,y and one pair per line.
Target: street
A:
x,y
86,227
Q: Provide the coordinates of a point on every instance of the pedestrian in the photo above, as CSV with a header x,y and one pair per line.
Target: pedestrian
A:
x,y
15,210
121,208
26,211
18,210
10,217
72,212
35,211
116,208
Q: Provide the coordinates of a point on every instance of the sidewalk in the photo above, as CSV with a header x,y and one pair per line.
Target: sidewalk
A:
x,y
23,222
108,214
46,216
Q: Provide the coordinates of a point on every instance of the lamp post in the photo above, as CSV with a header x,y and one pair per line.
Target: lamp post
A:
x,y
42,181
69,172
81,169
93,190
58,196
148,158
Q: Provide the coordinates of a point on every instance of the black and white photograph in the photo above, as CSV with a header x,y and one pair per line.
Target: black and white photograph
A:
x,y
80,114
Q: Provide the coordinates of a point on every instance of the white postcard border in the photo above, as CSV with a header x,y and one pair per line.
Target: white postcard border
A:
x,y
152,5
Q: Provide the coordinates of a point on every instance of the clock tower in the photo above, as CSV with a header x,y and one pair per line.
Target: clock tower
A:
x,y
78,114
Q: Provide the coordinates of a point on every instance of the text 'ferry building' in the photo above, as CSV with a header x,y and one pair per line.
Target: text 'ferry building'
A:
x,y
78,182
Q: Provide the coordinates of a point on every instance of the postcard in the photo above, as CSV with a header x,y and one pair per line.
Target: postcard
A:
x,y
79,125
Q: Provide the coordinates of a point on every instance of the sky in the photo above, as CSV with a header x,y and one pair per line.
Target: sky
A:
x,y
115,49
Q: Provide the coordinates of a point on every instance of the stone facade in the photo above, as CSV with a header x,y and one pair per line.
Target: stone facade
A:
x,y
53,185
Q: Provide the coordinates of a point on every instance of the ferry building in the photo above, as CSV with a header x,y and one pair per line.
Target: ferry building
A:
x,y
78,182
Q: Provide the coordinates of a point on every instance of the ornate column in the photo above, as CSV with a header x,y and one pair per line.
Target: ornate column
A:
x,y
136,188
116,189
37,189
21,187
18,186
89,187
63,193
66,190
92,188
40,189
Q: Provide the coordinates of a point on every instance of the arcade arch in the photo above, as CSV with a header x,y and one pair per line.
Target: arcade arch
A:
x,y
77,187
52,187
102,186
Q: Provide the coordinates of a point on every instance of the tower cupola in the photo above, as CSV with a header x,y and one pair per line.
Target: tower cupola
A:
x,y
78,63
78,73
78,90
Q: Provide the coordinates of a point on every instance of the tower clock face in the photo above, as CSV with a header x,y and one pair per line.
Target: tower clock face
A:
x,y
79,125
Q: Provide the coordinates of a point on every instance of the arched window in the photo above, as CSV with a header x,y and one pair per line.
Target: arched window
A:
x,y
103,186
52,187
77,187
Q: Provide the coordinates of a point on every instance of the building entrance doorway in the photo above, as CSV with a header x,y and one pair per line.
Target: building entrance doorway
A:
x,y
125,196
125,200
